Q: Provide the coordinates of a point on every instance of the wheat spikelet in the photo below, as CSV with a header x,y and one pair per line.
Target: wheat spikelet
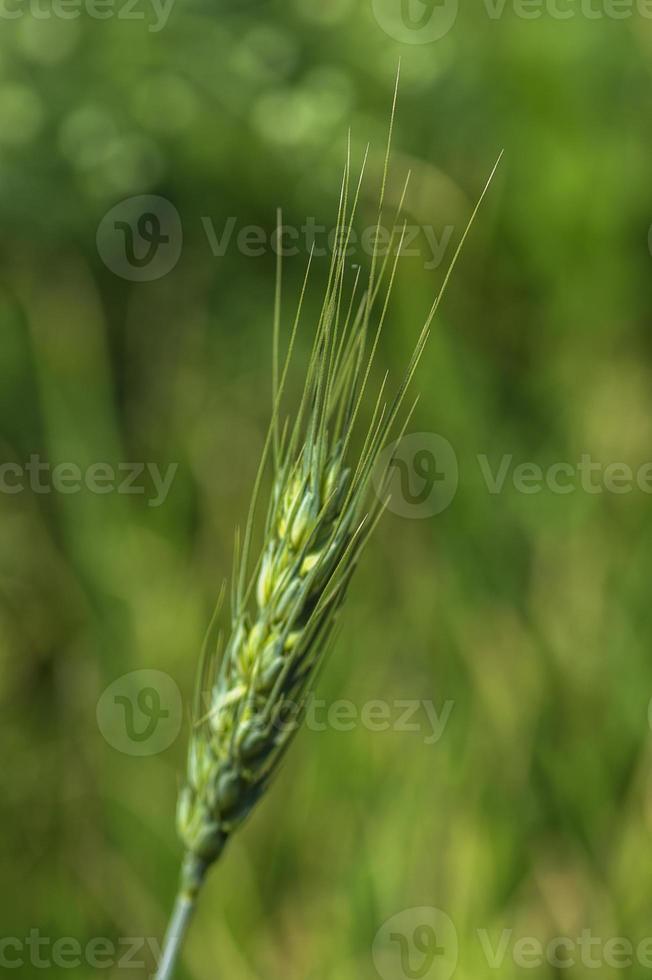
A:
x,y
317,523
251,689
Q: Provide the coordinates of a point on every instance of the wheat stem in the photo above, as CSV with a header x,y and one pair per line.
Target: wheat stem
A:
x,y
192,877
179,922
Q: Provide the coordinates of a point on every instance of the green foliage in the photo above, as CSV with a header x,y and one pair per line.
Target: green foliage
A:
x,y
530,612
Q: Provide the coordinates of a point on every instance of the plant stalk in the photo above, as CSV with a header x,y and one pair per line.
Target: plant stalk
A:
x,y
192,877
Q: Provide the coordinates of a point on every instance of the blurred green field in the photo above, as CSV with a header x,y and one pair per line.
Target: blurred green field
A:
x,y
528,613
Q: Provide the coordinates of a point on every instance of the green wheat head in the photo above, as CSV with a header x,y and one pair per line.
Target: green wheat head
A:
x,y
284,604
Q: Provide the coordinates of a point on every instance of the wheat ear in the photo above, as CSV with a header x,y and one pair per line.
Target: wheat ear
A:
x,y
251,690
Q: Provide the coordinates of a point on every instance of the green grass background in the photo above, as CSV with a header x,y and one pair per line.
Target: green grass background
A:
x,y
531,613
